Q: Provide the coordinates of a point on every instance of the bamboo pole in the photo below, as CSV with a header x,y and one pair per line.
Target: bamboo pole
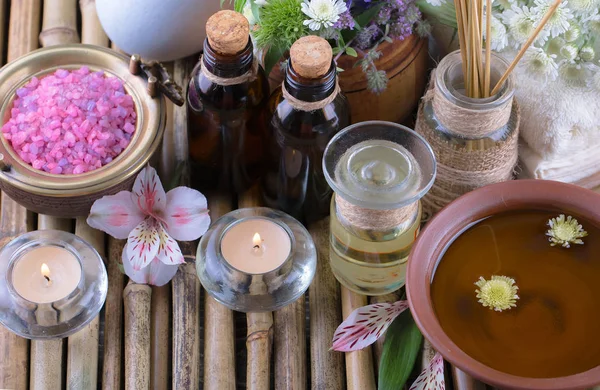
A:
x,y
23,33
290,346
113,318
46,360
359,364
137,303
326,367
378,346
82,358
3,22
463,381
259,340
219,346
91,30
59,24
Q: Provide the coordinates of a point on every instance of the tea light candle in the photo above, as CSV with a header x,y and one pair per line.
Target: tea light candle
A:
x,y
46,274
256,245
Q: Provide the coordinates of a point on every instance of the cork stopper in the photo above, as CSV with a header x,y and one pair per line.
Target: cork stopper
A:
x,y
311,56
227,32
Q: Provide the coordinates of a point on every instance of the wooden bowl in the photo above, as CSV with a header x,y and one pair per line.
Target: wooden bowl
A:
x,y
72,195
451,221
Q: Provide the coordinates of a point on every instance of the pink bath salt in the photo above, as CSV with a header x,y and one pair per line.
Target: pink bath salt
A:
x,y
71,122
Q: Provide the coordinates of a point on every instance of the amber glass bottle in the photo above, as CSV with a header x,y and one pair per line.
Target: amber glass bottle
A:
x,y
225,97
304,115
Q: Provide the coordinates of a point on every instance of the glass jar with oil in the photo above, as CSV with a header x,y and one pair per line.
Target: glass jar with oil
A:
x,y
379,171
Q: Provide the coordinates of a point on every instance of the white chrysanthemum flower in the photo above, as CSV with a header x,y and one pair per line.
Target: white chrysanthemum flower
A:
x,y
569,52
583,7
247,12
592,24
554,45
540,64
573,33
573,73
559,22
498,32
521,23
322,13
587,53
505,4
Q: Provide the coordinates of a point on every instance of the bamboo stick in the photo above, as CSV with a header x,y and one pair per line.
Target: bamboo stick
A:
x,y
3,22
113,318
82,358
526,45
91,30
219,336
378,346
46,360
326,367
290,346
488,47
359,364
137,303
463,381
59,24
23,33
259,341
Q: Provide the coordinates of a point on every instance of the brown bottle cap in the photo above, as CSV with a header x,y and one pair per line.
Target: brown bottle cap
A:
x,y
227,32
311,56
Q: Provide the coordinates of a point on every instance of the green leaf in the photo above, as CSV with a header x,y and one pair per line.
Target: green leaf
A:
x,y
351,52
255,11
400,349
339,70
388,39
238,5
121,268
336,50
272,57
363,19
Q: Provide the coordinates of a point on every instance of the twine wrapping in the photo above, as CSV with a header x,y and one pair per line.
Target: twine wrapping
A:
x,y
461,169
301,105
371,220
249,76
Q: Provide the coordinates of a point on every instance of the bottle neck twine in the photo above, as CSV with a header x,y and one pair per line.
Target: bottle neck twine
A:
x,y
249,76
302,105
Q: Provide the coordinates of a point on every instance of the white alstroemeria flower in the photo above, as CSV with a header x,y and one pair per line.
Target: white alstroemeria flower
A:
x,y
521,23
498,32
322,13
247,12
559,22
540,64
583,7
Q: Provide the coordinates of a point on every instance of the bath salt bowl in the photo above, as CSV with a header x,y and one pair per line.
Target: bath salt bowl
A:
x,y
454,219
72,195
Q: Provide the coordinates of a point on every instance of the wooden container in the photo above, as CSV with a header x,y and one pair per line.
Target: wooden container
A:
x,y
406,64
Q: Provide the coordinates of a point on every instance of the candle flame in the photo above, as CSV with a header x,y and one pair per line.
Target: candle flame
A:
x,y
256,240
45,270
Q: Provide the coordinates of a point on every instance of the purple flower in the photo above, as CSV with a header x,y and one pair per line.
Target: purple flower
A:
x,y
367,37
345,21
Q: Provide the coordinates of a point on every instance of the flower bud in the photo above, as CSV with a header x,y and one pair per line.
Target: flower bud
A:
x,y
587,53
569,52
572,33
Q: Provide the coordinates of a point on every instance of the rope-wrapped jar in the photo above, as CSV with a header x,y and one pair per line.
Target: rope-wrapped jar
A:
x,y
474,140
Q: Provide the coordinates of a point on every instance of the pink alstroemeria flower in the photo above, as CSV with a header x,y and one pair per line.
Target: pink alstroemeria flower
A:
x,y
151,221
368,323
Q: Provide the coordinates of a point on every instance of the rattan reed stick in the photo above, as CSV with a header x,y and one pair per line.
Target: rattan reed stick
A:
x,y
463,381
59,25
159,337
137,303
113,318
378,346
23,33
91,30
82,355
259,341
47,355
290,346
326,367
359,364
219,336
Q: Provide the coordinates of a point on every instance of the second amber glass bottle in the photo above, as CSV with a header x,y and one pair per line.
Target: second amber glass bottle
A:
x,y
225,97
305,113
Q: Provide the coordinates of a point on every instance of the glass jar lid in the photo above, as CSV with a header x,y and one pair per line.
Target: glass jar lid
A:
x,y
379,165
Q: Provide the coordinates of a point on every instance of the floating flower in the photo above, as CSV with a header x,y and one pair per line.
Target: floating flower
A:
x,y
559,22
498,33
499,293
521,23
565,231
151,221
366,324
322,13
540,64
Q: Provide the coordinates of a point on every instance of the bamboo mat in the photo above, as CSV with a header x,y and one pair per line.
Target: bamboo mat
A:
x,y
175,337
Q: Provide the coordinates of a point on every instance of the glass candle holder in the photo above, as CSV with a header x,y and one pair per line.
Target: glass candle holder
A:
x,y
53,284
379,171
256,260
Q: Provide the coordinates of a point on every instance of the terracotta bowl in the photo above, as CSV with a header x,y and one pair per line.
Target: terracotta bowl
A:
x,y
447,224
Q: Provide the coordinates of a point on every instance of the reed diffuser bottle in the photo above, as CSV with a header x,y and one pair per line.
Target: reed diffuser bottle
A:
x,y
225,97
305,113
379,171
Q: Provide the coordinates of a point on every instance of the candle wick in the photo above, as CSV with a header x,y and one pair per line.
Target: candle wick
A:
x,y
256,246
47,278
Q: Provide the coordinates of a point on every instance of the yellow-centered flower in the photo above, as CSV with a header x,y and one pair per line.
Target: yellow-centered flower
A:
x,y
499,293
565,231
